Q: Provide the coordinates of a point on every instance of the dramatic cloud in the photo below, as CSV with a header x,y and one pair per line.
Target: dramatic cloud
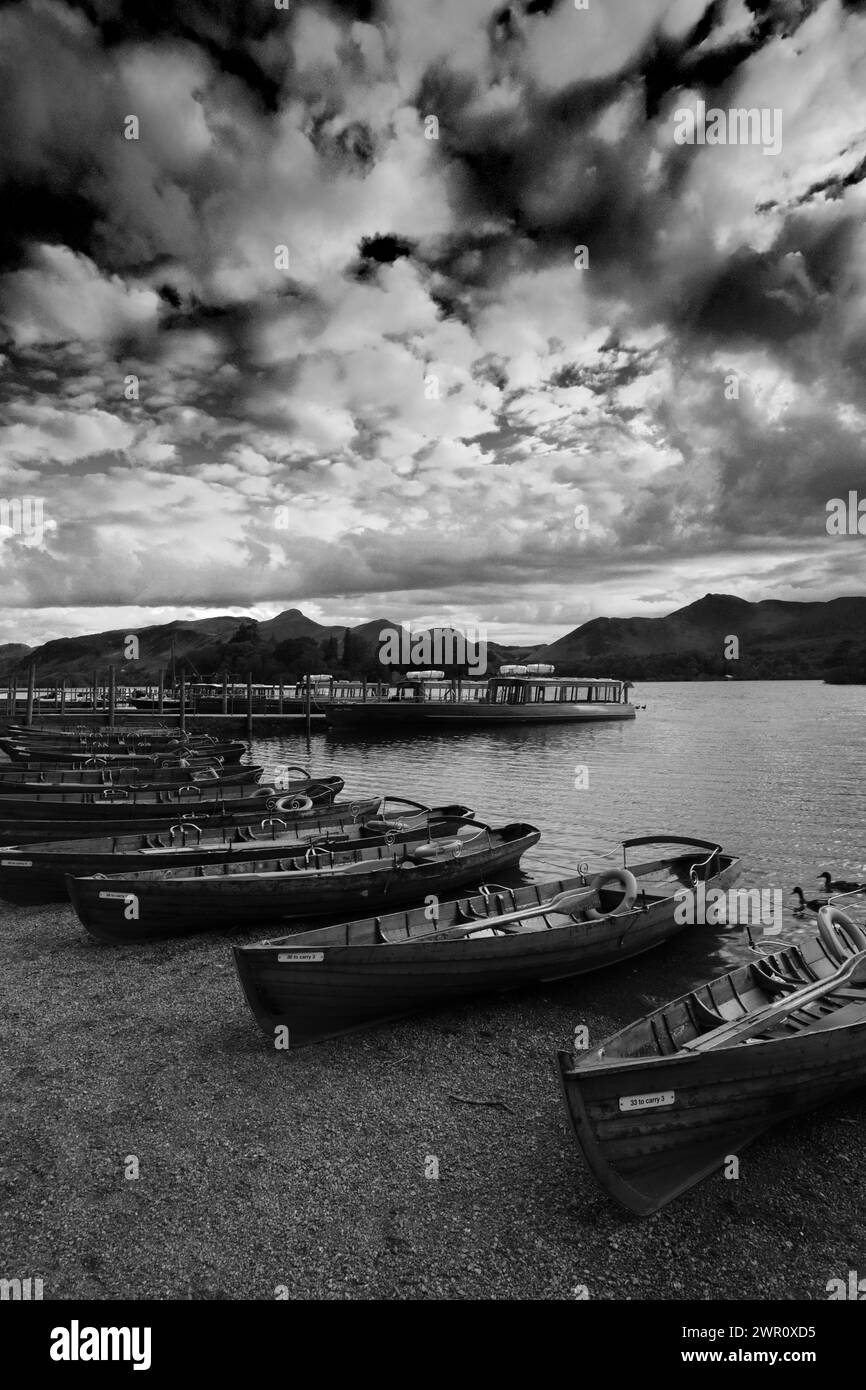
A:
x,y
425,279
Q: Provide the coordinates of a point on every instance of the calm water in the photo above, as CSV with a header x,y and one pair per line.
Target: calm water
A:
x,y
775,771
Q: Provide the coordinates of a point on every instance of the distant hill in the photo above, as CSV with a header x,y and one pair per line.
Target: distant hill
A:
x,y
13,651
294,623
776,639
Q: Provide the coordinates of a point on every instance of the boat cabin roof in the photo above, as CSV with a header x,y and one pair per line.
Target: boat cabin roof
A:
x,y
558,680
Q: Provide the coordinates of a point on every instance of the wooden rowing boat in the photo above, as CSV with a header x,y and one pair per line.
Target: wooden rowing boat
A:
x,y
665,1102
117,743
19,833
165,755
22,781
28,755
110,809
37,873
124,801
120,734
119,740
147,906
338,979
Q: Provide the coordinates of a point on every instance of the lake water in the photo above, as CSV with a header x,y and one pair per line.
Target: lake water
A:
x,y
775,771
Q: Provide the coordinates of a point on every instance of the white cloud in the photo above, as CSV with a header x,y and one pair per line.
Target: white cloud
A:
x,y
64,296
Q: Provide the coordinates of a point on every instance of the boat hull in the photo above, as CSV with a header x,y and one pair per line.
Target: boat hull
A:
x,y
21,834
159,804
165,907
319,986
22,830
167,803
722,1102
34,756
37,873
86,781
114,754
403,715
667,1100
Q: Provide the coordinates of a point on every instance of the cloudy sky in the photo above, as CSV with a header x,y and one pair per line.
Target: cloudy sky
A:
x,y
398,413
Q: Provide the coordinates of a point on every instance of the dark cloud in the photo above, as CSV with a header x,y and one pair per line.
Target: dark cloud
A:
x,y
431,362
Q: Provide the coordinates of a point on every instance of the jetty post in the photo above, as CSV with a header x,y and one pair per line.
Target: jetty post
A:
x,y
307,710
182,720
112,697
160,690
249,706
62,696
225,692
31,688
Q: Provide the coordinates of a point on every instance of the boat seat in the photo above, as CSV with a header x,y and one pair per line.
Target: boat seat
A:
x,y
772,982
707,1018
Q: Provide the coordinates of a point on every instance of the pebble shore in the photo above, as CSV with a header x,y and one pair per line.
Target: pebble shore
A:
x,y
311,1174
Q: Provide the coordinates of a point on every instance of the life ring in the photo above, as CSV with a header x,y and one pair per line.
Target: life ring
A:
x,y
293,804
626,881
834,926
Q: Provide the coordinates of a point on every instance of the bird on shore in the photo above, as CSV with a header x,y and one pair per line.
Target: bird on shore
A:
x,y
814,904
839,885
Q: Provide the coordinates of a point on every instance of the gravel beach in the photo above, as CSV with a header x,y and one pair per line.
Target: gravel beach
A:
x,y
265,1174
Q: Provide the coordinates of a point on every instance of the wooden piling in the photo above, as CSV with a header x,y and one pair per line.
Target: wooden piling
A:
x,y
307,710
225,692
160,691
112,697
31,688
182,719
62,696
250,706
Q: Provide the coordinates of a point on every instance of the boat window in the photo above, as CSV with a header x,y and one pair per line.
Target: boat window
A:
x,y
509,694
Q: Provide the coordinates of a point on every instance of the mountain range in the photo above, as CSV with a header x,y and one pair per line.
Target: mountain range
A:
x,y
719,635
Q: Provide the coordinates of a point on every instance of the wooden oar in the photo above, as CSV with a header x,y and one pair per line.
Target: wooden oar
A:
x,y
563,902
853,970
